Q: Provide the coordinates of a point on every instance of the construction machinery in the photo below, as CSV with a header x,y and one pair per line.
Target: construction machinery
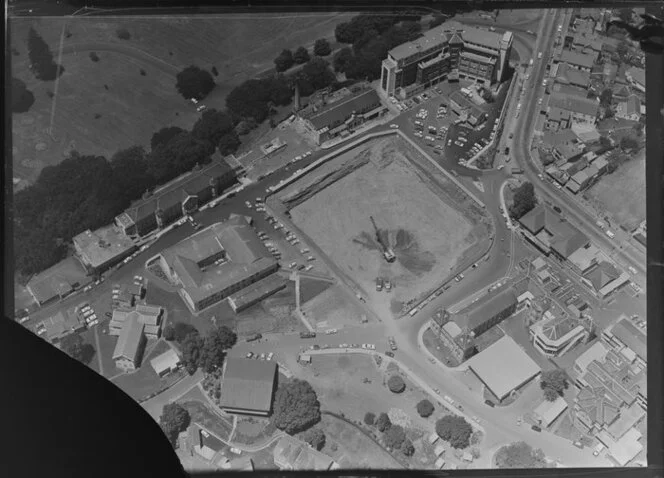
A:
x,y
388,253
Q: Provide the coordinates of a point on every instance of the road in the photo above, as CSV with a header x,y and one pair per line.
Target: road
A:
x,y
523,131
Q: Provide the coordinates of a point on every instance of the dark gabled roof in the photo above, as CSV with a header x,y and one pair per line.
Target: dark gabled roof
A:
x,y
566,238
343,109
603,274
247,384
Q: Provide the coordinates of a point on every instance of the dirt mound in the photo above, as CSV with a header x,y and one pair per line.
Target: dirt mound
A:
x,y
409,254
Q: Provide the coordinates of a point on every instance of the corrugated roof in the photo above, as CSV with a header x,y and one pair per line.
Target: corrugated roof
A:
x,y
632,337
486,308
565,238
165,361
579,59
247,384
574,104
129,339
503,367
602,274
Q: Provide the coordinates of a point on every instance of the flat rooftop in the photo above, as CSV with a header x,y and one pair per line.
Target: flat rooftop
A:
x,y
248,384
103,245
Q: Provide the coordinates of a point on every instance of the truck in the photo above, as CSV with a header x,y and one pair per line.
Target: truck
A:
x,y
254,337
307,335
611,234
517,171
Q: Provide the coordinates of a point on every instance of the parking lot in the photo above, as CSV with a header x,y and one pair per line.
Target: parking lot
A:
x,y
284,245
431,120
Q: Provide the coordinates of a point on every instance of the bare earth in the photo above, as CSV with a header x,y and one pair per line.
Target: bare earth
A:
x,y
623,193
427,235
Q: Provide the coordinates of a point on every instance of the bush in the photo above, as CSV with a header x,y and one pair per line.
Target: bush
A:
x,y
396,384
322,47
315,437
455,430
143,72
94,57
395,436
214,71
524,200
383,422
301,55
296,406
169,333
520,455
553,383
284,61
425,408
123,34
174,419
369,418
407,447
182,330
246,126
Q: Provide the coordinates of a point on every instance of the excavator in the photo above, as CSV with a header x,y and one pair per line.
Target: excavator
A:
x,y
388,253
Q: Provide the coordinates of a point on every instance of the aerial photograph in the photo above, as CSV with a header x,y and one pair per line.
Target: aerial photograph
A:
x,y
343,240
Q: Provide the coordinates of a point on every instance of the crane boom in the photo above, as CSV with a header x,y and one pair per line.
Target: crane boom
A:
x,y
388,253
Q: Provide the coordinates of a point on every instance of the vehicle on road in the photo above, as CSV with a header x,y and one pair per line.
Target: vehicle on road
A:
x,y
388,286
308,268
307,335
539,56
631,270
248,204
389,354
292,265
394,126
578,444
331,331
201,108
24,320
611,234
379,284
262,356
536,428
270,355
490,403
500,167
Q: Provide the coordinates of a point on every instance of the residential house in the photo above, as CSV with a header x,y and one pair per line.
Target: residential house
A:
x,y
293,454
572,76
580,61
629,109
551,234
605,278
165,363
582,110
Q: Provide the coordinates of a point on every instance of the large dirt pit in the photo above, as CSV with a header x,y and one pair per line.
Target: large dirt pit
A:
x,y
333,206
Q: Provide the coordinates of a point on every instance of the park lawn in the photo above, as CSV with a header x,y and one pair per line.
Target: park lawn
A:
x,y
264,459
195,394
352,449
135,106
202,414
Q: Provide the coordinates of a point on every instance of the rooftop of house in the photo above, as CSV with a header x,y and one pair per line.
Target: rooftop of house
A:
x,y
564,238
339,111
583,60
129,340
602,274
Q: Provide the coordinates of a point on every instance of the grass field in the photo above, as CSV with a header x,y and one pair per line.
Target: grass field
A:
x,y
622,194
135,106
428,235
201,414
332,308
352,449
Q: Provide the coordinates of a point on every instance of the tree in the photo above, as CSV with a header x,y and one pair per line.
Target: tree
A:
x,y
130,174
211,126
524,200
343,59
369,418
284,61
605,142
606,97
182,330
217,342
41,58
625,14
173,420
94,57
407,447
394,436
123,34
627,143
169,333
193,82
455,430
425,408
246,126
296,406
74,346
192,347
520,455
315,437
22,98
322,47
178,156
396,384
383,422
164,135
229,143
301,55
554,383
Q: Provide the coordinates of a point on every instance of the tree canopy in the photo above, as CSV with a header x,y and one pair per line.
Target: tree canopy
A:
x,y
211,126
315,437
383,422
315,75
74,346
22,98
182,330
369,418
628,143
322,47
425,408
296,406
284,61
554,383
396,384
194,82
395,436
301,55
173,420
41,58
164,135
192,351
455,430
524,200
520,455
252,99
606,97
217,342
169,333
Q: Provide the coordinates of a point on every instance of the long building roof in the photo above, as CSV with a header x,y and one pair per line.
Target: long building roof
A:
x,y
129,339
343,109
486,308
632,337
575,104
565,238
449,32
244,254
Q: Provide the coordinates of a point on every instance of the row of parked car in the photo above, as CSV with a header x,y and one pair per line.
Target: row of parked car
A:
x,y
88,314
383,284
260,356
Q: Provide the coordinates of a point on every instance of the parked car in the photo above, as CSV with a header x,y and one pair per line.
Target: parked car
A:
x,y
490,403
536,428
389,354
379,284
270,355
331,331
250,355
307,335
